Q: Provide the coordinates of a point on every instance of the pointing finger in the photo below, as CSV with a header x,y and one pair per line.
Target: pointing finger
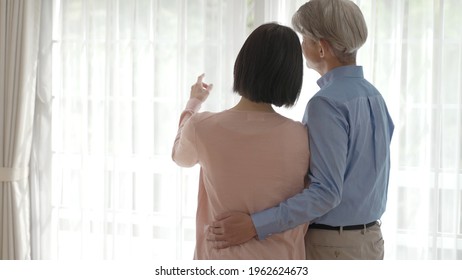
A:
x,y
200,78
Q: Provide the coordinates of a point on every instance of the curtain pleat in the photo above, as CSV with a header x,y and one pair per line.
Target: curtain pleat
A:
x,y
41,155
19,29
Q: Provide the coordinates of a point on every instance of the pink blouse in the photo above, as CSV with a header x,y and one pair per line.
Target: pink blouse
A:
x,y
249,161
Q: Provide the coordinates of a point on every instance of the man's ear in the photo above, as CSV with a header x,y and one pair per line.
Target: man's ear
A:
x,y
324,47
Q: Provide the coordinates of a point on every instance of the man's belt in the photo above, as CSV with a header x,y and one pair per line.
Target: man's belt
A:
x,y
355,227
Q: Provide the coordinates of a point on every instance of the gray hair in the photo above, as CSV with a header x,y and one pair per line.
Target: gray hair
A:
x,y
340,22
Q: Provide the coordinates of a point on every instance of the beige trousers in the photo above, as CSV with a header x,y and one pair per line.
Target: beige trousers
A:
x,y
364,244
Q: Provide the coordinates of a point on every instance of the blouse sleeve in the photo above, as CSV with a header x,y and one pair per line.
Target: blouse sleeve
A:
x,y
184,152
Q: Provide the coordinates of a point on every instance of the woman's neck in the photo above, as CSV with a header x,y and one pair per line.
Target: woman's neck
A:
x,y
246,105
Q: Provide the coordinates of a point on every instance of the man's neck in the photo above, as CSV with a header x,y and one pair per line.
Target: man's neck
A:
x,y
330,65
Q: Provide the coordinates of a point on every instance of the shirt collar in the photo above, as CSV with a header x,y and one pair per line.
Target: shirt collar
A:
x,y
353,71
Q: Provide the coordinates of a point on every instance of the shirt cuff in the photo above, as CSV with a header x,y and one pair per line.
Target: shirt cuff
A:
x,y
265,223
194,104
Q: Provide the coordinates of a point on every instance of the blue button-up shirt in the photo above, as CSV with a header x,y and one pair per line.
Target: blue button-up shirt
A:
x,y
350,131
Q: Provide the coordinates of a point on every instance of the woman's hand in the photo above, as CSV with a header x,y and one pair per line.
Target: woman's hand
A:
x,y
201,90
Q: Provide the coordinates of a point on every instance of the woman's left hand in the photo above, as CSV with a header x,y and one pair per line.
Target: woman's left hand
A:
x,y
201,90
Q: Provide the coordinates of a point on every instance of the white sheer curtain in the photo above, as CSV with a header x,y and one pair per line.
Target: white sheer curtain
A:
x,y
121,74
122,71
40,158
415,57
19,54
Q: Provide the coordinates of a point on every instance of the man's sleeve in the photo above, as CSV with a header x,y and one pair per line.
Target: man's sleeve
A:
x,y
328,134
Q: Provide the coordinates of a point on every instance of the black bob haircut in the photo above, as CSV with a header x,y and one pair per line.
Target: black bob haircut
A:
x,y
269,66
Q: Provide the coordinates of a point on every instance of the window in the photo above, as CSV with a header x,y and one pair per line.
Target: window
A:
x,y
121,76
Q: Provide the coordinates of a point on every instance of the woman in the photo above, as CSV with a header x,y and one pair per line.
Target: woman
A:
x,y
249,154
